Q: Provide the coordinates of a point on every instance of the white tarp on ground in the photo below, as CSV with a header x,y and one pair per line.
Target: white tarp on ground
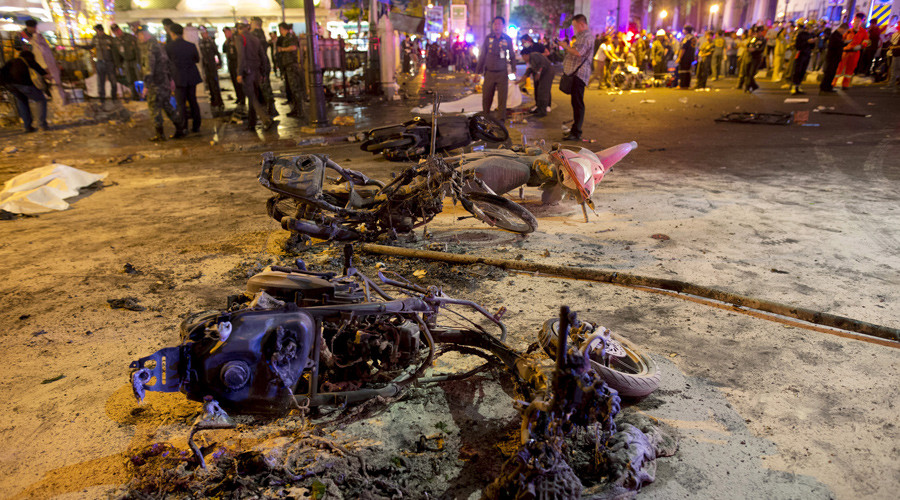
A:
x,y
472,103
91,89
44,189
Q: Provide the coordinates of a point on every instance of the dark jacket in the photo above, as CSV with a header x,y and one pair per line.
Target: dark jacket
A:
x,y
835,48
183,56
16,70
252,58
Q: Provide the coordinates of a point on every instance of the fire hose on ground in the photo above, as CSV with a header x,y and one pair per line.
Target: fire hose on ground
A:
x,y
681,289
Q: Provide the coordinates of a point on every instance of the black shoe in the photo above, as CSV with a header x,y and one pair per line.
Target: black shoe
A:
x,y
539,115
29,130
827,91
157,138
269,126
178,134
571,137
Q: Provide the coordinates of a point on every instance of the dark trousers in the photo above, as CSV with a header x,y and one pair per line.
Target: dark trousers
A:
x,y
495,81
24,93
253,92
577,106
703,71
184,97
238,88
106,71
211,79
830,69
684,74
800,64
731,65
542,88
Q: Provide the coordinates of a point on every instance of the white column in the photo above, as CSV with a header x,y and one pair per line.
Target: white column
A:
x,y
728,13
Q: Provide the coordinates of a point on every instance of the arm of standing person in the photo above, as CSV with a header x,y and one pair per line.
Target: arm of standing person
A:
x,y
512,56
481,57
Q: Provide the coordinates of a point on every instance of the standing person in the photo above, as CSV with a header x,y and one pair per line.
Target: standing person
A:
x,y
834,52
16,76
803,46
893,51
22,41
855,40
778,55
770,35
496,63
252,64
211,61
686,58
128,57
706,57
542,70
105,54
265,82
184,57
731,54
157,84
718,55
288,54
600,63
658,56
756,48
577,64
231,55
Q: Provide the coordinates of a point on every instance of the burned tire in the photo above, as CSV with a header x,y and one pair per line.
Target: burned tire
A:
x,y
503,213
483,126
635,375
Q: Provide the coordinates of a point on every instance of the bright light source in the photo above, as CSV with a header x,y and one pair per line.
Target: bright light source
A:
x,y
476,51
660,32
663,14
513,32
714,8
470,38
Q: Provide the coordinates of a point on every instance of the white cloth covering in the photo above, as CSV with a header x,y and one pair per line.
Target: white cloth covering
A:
x,y
44,189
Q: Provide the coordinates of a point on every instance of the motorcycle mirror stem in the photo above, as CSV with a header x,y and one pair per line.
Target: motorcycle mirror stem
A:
x,y
434,112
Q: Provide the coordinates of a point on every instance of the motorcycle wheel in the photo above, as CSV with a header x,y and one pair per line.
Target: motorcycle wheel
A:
x,y
635,375
503,213
485,127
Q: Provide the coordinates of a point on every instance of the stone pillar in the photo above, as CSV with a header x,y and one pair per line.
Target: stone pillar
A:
x,y
728,12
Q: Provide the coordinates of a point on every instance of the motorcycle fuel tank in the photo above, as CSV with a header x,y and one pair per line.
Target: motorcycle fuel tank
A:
x,y
246,359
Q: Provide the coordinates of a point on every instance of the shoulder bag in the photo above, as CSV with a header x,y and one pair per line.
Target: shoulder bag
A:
x,y
567,81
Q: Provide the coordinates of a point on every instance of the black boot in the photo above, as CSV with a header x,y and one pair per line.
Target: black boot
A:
x,y
160,135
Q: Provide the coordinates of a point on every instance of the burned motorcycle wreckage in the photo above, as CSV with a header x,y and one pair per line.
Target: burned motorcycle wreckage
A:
x,y
298,339
355,207
413,139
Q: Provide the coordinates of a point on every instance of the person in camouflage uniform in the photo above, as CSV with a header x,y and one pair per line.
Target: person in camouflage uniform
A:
x,y
287,54
231,54
157,84
265,83
105,54
210,62
127,55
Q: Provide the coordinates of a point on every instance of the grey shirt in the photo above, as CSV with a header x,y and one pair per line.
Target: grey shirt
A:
x,y
497,54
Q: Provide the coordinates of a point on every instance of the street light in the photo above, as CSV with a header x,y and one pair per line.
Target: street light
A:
x,y
713,10
663,14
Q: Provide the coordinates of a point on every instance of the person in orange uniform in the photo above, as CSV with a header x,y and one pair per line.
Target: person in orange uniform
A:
x,y
855,40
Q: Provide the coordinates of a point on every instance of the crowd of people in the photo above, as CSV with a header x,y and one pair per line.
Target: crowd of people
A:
x,y
786,50
169,69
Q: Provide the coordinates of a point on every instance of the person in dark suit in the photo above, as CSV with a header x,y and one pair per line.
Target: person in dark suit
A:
x,y
834,51
184,57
